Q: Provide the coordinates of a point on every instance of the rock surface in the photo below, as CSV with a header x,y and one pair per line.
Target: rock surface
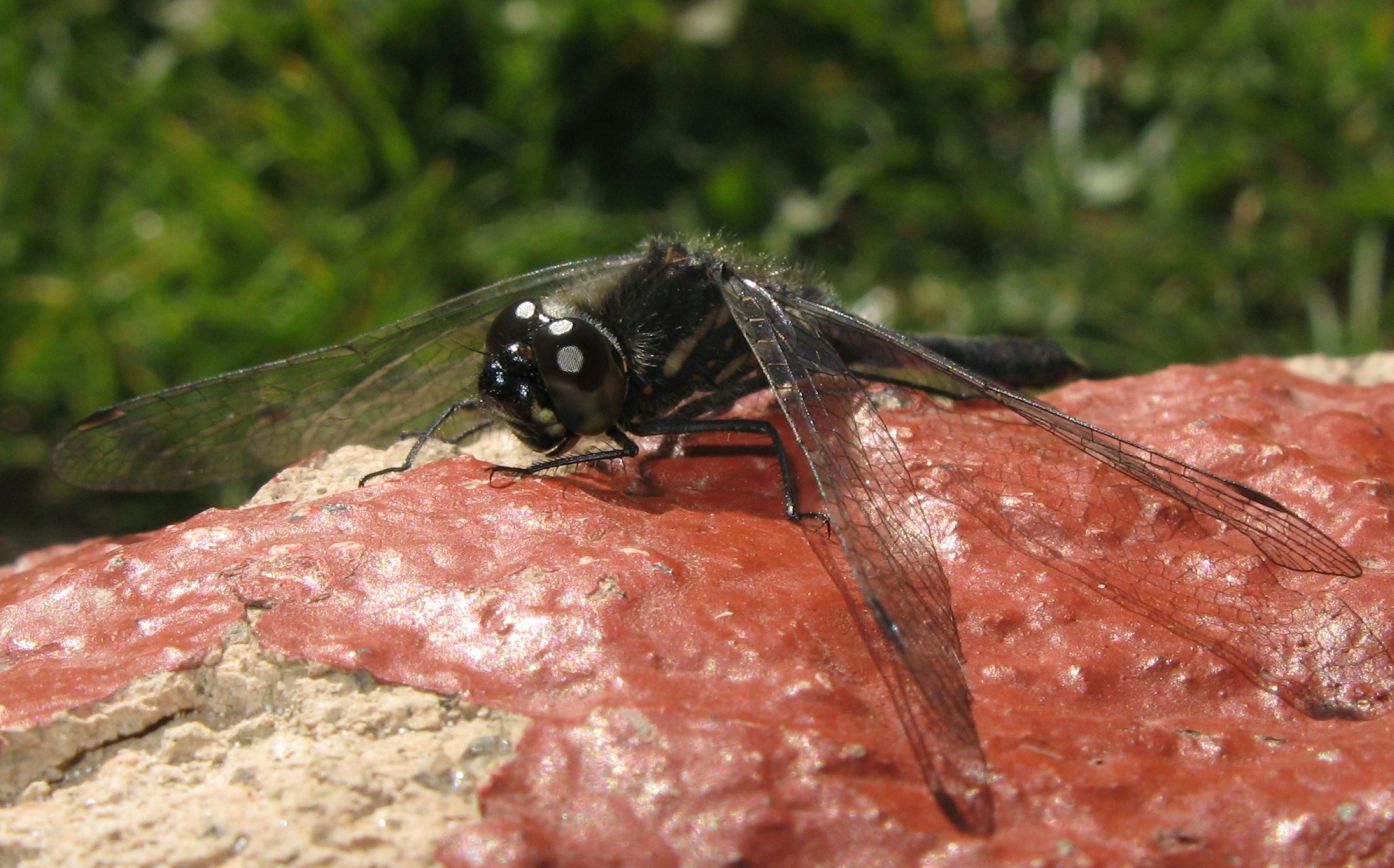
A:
x,y
300,681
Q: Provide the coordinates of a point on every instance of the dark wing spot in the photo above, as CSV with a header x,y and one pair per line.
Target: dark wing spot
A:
x,y
273,413
100,418
1254,494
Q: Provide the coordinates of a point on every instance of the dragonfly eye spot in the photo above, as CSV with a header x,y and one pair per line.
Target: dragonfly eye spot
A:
x,y
582,371
515,326
570,359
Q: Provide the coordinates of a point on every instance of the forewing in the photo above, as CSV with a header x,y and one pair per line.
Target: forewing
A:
x,y
367,390
1311,649
871,502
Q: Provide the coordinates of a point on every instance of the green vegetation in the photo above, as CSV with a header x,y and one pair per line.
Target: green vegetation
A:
x,y
192,186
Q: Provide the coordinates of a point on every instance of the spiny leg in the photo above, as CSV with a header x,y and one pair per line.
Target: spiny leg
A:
x,y
627,448
422,437
739,426
455,440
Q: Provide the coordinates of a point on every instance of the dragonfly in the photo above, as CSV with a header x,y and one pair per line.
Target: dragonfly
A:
x,y
663,341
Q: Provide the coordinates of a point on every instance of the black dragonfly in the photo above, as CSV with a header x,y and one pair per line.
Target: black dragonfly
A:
x,y
663,341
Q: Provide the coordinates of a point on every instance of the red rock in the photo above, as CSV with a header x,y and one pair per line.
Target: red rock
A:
x,y
698,688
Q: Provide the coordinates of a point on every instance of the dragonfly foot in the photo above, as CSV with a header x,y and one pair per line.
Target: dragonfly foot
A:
x,y
819,517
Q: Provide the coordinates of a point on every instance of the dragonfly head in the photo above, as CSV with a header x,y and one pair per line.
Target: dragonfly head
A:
x,y
552,380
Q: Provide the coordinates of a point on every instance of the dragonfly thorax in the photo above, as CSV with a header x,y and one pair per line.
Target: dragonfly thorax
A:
x,y
552,380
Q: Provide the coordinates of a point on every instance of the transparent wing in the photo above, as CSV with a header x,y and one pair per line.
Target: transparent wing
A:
x,y
871,503
262,418
1283,537
1311,649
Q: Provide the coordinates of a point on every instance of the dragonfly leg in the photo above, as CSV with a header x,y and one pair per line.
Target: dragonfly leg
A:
x,y
423,436
458,438
468,432
739,426
627,448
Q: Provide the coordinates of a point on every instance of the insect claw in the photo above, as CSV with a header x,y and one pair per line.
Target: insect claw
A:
x,y
511,473
819,517
383,472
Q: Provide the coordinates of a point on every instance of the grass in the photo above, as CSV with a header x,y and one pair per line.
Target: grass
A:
x,y
192,186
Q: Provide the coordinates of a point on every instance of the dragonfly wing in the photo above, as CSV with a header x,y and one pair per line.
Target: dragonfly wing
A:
x,y
1311,649
1283,537
262,418
871,502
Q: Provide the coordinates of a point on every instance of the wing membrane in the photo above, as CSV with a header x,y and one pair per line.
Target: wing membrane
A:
x,y
869,498
1285,538
262,418
1312,650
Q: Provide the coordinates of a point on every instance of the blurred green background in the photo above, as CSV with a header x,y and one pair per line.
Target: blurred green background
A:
x,y
192,186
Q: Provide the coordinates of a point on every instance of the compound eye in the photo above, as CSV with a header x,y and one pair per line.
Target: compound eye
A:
x,y
514,325
583,374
